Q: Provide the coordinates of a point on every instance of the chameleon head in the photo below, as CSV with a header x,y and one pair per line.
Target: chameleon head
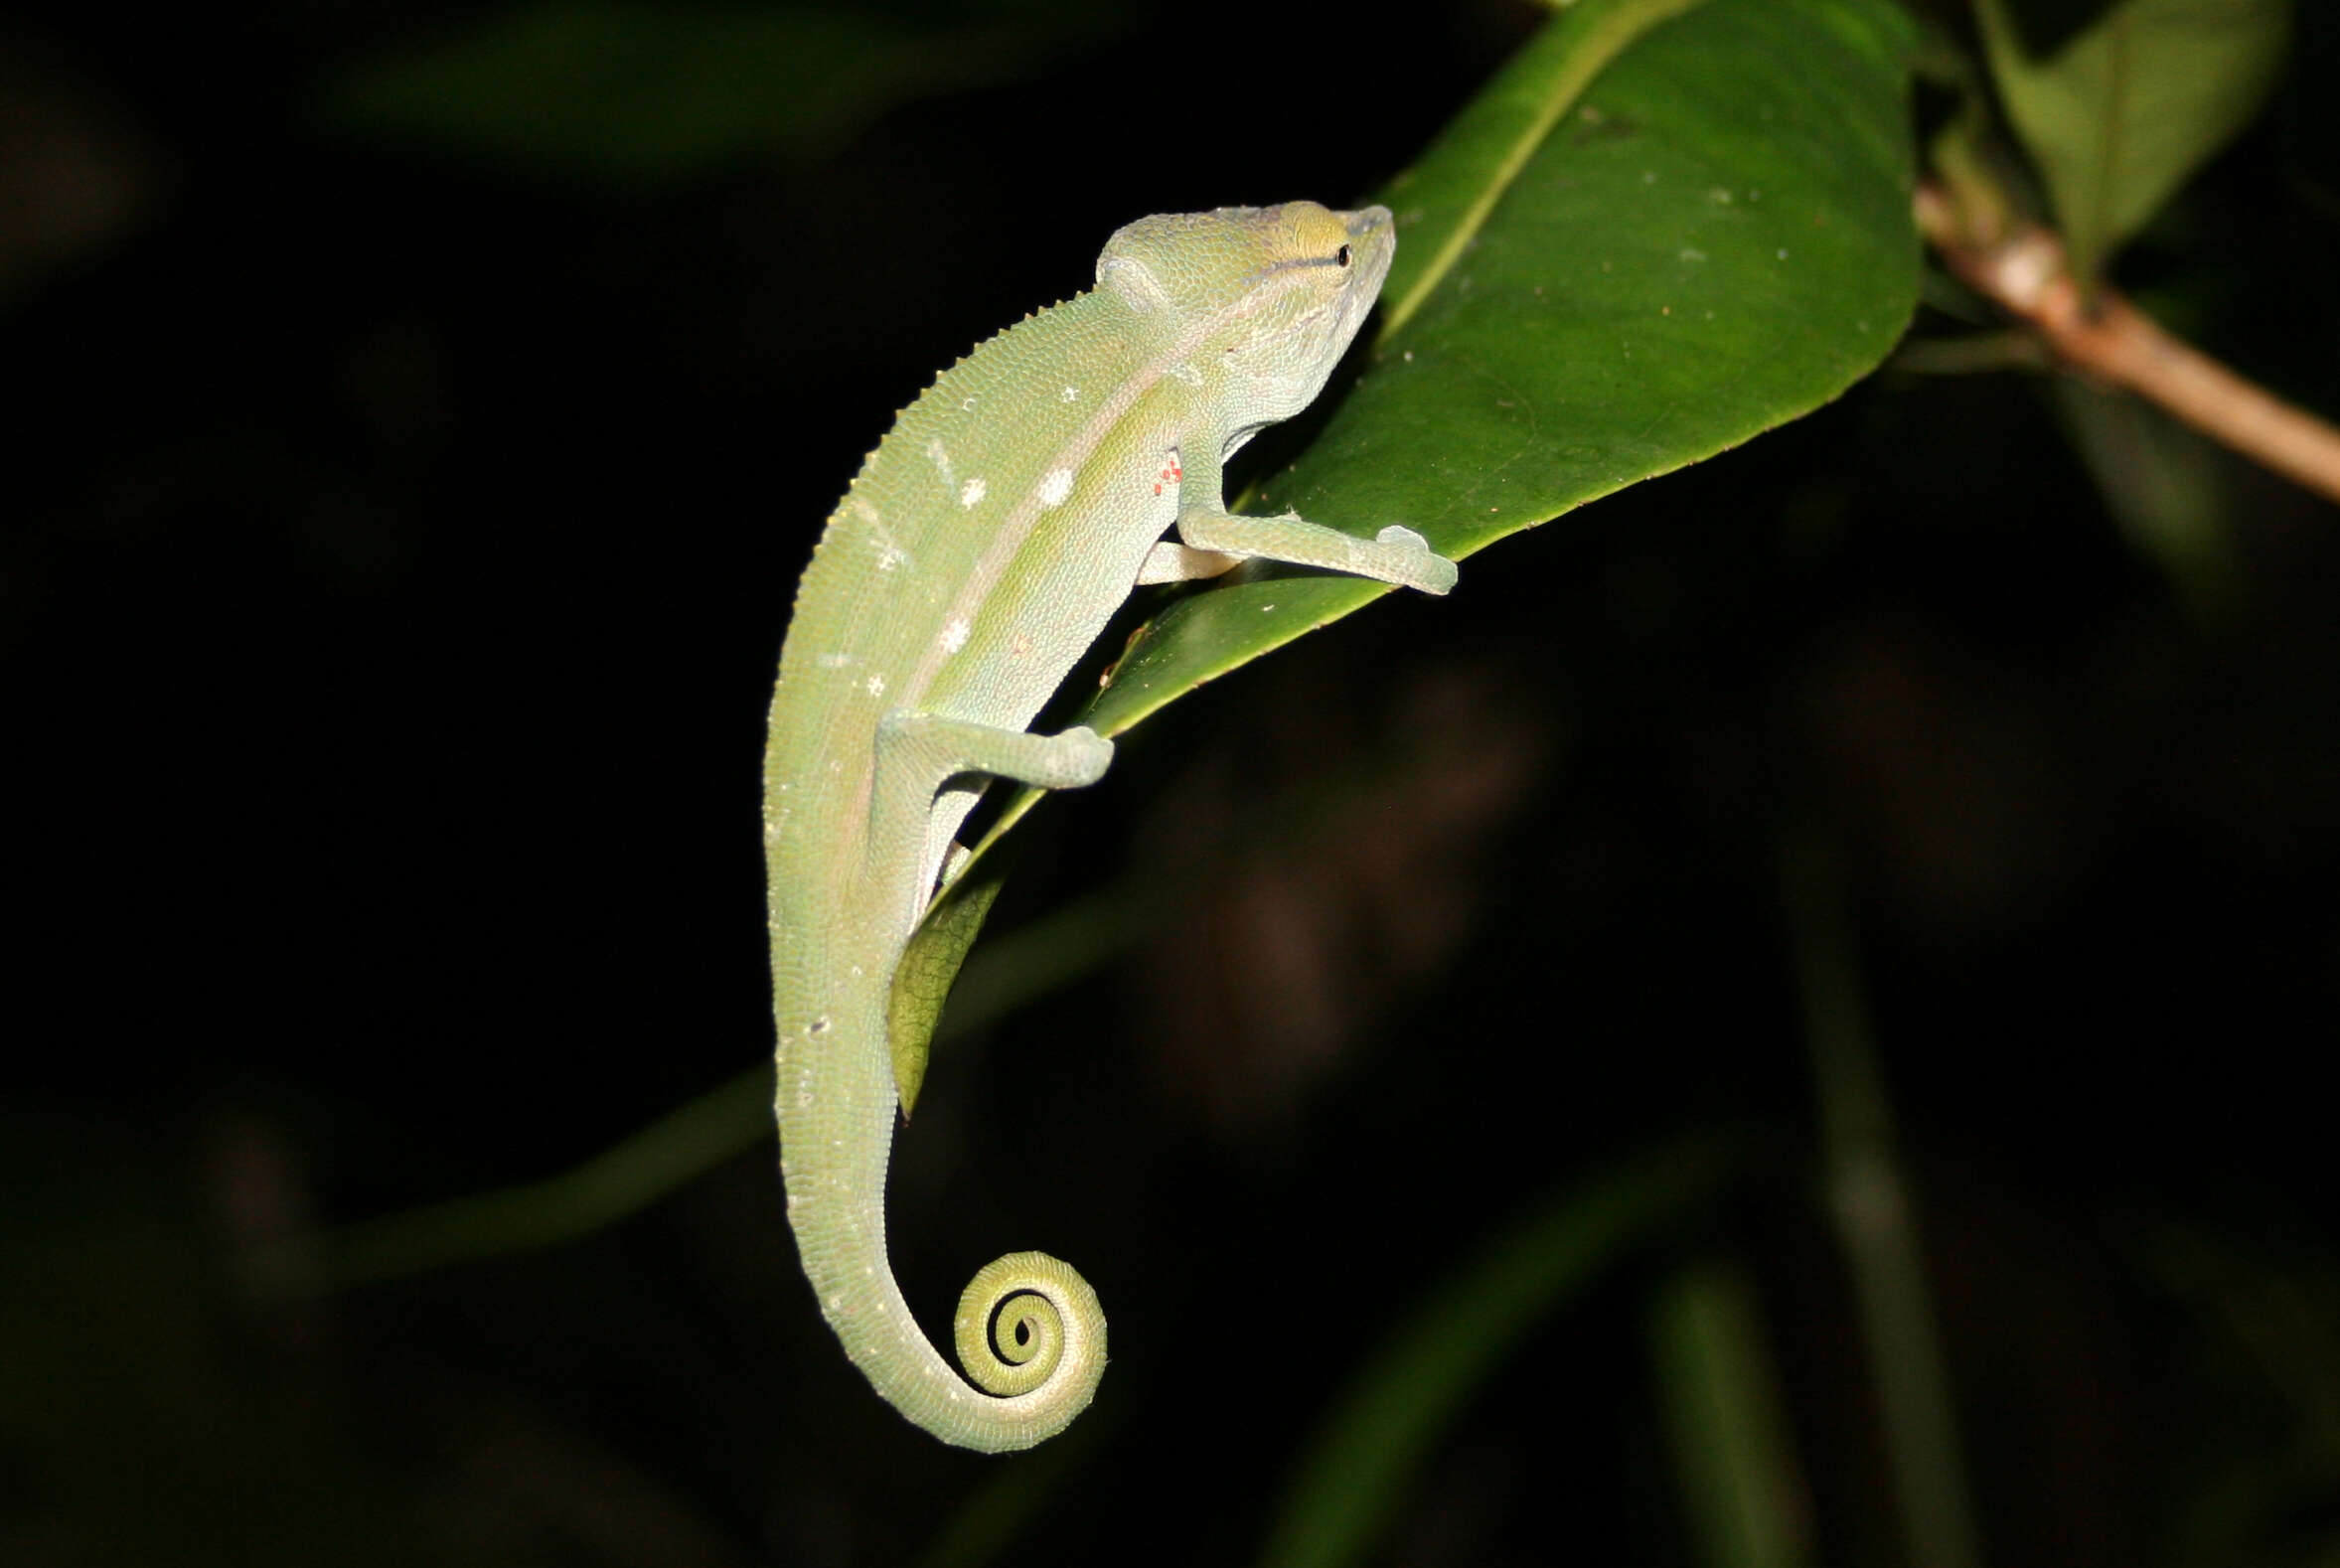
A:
x,y
1272,294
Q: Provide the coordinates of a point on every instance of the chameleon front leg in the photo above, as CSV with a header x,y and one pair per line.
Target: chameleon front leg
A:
x,y
1214,539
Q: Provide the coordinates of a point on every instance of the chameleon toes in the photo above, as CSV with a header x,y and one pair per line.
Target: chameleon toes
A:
x,y
1417,566
1085,755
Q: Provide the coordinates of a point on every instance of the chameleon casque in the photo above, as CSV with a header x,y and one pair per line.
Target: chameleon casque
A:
x,y
977,556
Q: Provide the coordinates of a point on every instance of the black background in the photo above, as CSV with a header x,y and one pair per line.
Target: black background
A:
x,y
397,542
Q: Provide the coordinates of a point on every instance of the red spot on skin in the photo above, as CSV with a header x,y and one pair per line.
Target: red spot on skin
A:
x,y
1171,475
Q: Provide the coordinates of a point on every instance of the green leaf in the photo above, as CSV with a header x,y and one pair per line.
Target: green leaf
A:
x,y
2118,117
2164,482
1602,274
922,982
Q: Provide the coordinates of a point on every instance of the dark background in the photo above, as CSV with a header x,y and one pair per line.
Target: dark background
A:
x,y
400,528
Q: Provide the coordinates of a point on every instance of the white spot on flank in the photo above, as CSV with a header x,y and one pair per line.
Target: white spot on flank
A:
x,y
875,685
889,555
971,492
941,459
1070,395
1056,487
1187,373
835,661
954,635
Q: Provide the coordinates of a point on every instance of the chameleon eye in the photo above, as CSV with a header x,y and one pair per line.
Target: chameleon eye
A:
x,y
1341,256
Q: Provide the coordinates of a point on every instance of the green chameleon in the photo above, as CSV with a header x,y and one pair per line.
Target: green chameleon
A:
x,y
977,556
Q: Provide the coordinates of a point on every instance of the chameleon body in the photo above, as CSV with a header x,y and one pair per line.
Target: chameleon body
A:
x,y
976,556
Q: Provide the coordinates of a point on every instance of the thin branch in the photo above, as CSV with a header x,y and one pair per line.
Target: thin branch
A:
x,y
2110,340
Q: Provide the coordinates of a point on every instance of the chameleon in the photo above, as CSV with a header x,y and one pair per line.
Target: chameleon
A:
x,y
975,558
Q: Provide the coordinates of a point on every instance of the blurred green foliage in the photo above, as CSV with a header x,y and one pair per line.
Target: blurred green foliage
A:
x,y
638,93
2123,111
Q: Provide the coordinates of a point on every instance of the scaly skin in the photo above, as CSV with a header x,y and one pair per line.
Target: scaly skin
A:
x,y
976,556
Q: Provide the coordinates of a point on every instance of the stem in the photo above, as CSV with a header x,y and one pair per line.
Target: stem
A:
x,y
2025,272
1869,1202
680,1145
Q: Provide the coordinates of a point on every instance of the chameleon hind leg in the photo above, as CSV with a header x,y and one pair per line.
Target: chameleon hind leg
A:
x,y
919,753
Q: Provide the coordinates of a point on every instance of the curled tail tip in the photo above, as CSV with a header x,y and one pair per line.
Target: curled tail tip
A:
x,y
1031,1329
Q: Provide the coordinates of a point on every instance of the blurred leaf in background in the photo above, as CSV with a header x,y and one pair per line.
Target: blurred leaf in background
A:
x,y
2120,114
640,92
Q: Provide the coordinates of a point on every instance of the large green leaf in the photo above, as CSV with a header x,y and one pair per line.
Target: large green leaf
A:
x,y
2121,114
1663,228
1713,239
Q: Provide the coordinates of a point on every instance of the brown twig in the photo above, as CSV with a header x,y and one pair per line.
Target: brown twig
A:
x,y
2024,271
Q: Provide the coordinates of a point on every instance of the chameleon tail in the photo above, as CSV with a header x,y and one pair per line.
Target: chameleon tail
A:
x,y
1029,1331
